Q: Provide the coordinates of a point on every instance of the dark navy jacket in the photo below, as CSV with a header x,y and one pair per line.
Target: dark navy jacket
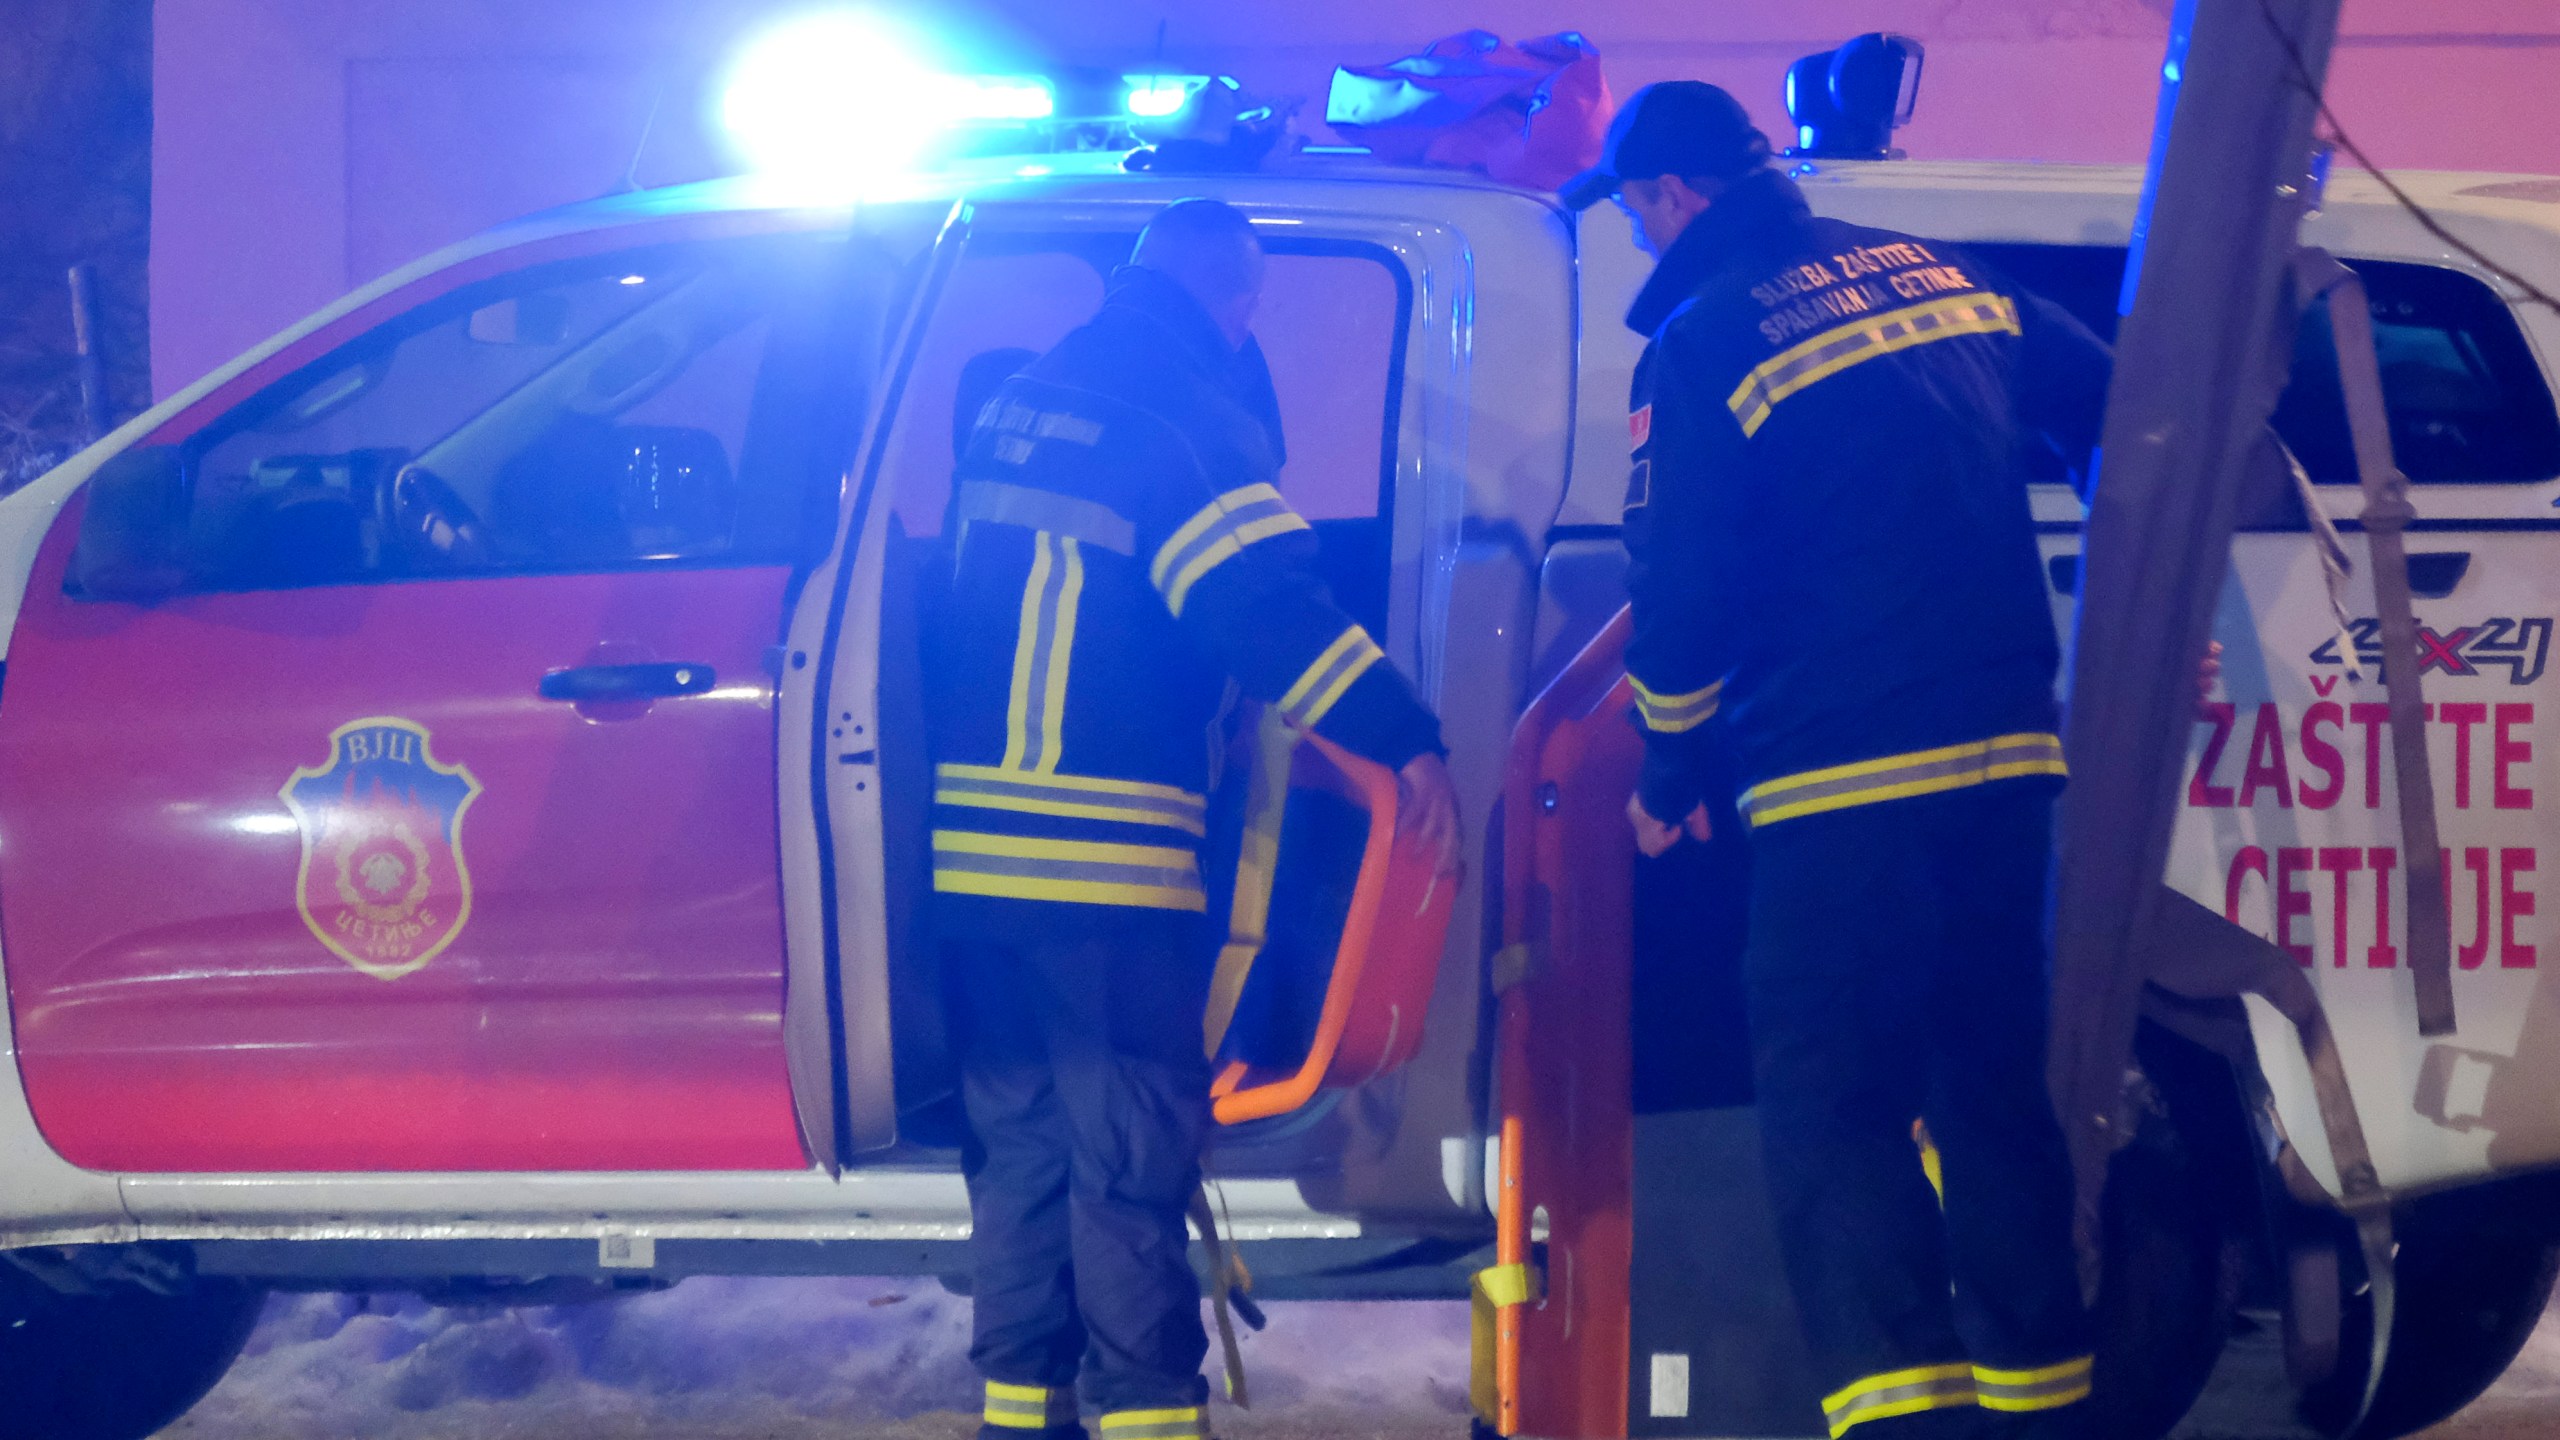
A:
x,y
1828,515
1122,555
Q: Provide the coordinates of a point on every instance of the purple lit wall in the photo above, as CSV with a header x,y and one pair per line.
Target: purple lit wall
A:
x,y
306,146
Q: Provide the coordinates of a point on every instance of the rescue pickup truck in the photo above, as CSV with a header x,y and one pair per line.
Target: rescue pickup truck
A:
x,y
461,816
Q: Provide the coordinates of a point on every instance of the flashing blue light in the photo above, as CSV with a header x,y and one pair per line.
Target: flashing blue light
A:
x,y
1000,97
1152,97
832,96
841,98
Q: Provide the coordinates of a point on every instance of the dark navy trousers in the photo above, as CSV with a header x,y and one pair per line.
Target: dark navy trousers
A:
x,y
1896,973
1088,1102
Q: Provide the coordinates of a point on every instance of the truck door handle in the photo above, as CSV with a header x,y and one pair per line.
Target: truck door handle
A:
x,y
2432,576
594,684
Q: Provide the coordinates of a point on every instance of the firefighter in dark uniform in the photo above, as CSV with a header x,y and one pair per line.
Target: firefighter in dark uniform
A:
x,y
1121,559
1833,559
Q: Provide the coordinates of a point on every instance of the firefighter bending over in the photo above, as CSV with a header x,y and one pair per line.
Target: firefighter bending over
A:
x,y
1121,556
1833,554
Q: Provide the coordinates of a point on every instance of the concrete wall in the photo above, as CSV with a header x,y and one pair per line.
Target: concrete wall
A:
x,y
305,146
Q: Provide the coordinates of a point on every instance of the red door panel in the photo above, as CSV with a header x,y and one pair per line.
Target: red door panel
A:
x,y
611,997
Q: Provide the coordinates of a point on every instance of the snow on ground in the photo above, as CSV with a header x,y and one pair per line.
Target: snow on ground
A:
x,y
730,1359
724,1359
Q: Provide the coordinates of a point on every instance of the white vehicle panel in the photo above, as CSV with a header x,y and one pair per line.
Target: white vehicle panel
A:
x,y
2290,826
881,1204
1483,435
39,1190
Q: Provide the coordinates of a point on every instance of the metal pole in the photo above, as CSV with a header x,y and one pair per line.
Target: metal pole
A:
x,y
2200,359
94,407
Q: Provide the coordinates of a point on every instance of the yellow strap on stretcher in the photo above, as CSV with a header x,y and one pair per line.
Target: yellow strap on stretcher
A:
x,y
1505,1285
1493,1291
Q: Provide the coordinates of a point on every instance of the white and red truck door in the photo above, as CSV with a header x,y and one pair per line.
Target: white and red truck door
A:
x,y
1009,278
2291,818
421,815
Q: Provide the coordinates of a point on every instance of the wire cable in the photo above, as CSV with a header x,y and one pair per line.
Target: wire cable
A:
x,y
2426,218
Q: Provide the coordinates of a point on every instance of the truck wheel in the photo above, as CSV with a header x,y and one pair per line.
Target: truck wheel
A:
x,y
115,1366
2172,1265
2475,1271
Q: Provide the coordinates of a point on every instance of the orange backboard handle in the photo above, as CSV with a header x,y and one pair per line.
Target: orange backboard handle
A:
x,y
1373,787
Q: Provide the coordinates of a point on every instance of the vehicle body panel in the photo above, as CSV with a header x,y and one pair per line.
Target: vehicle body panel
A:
x,y
2293,831
203,1026
1498,565
599,985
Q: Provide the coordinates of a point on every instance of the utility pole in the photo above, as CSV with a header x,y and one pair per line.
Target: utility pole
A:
x,y
2200,360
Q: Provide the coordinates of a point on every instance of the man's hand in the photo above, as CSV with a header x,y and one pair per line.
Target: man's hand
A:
x,y
1427,811
1653,837
2206,674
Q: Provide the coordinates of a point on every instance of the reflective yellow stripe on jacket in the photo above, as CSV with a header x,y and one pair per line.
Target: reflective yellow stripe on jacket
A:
x,y
1043,648
1086,872
1674,714
1074,797
1218,533
1324,680
1896,777
1836,349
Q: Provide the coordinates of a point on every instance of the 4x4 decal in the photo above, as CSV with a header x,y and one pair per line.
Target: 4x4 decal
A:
x,y
2520,647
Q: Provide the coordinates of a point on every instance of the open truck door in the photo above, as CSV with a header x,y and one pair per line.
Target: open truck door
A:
x,y
1334,933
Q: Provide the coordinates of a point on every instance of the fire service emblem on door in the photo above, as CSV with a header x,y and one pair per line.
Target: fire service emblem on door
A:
x,y
383,883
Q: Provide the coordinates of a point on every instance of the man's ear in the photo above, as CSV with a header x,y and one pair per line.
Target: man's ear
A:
x,y
1235,317
1694,193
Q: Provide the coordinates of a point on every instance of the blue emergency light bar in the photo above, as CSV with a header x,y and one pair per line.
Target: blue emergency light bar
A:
x,y
999,98
1153,97
845,98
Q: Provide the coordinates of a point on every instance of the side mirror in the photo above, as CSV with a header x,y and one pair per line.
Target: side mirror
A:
x,y
132,543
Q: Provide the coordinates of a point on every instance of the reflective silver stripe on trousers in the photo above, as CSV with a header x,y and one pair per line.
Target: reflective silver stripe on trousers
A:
x,y
2027,1397
2047,1388
1031,508
1055,1408
1928,1388
1155,1430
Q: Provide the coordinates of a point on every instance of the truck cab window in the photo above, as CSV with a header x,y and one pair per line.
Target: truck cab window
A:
x,y
1331,328
2468,403
605,413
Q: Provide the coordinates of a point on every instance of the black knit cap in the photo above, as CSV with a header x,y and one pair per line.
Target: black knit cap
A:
x,y
1677,127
